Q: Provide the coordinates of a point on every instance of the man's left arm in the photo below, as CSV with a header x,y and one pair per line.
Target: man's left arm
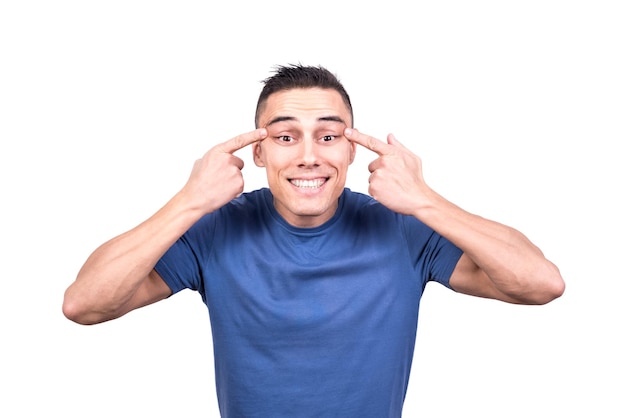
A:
x,y
498,261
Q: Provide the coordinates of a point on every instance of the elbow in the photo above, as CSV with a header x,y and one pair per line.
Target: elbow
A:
x,y
78,312
538,288
72,311
551,286
554,289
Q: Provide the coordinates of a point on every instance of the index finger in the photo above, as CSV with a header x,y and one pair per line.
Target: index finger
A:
x,y
373,144
243,140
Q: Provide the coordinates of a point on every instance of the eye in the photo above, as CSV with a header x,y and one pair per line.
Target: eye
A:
x,y
328,138
285,138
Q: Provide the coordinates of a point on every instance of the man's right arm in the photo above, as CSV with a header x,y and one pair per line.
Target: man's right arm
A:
x,y
119,275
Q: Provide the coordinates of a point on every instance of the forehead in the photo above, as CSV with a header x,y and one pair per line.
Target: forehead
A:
x,y
304,104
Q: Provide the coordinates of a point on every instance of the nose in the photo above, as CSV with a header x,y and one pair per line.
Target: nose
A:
x,y
309,153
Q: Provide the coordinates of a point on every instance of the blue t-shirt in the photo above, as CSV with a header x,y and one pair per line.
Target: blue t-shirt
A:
x,y
313,322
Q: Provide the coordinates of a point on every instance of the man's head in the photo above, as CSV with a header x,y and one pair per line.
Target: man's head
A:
x,y
306,155
299,77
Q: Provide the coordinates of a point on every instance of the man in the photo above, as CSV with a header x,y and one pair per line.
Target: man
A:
x,y
313,290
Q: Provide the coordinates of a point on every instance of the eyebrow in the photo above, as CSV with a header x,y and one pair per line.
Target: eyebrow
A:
x,y
292,118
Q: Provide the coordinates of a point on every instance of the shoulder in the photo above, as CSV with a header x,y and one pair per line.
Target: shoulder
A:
x,y
250,199
358,201
366,212
246,203
247,210
244,209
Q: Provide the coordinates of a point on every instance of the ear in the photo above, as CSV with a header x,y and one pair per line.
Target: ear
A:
x,y
352,151
257,154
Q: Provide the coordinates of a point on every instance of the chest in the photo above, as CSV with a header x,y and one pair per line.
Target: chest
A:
x,y
313,287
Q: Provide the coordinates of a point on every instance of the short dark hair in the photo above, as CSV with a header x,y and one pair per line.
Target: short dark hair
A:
x,y
294,76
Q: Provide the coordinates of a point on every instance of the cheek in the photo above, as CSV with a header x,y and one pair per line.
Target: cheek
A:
x,y
275,158
267,154
346,155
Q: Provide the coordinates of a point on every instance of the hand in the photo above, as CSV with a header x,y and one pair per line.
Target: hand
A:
x,y
216,178
396,178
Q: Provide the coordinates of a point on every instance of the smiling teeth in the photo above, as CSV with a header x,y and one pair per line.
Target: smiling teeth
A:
x,y
308,184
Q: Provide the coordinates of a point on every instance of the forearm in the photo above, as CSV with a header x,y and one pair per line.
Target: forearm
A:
x,y
114,272
516,268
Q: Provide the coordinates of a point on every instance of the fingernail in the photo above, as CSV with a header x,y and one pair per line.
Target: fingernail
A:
x,y
348,132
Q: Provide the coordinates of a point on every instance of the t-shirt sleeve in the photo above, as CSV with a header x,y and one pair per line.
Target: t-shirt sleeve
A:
x,y
181,265
445,257
436,255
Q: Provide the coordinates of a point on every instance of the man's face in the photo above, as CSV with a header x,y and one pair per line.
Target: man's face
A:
x,y
305,153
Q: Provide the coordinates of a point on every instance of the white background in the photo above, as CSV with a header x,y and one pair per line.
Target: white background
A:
x,y
516,108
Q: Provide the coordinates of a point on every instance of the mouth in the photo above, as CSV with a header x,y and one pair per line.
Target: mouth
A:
x,y
309,184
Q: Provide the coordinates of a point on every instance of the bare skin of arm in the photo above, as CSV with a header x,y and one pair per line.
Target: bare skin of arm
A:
x,y
498,261
119,275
